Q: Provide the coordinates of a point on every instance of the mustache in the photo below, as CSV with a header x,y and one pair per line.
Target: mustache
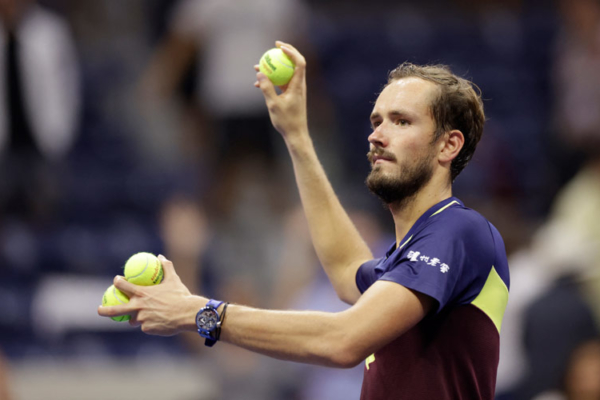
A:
x,y
378,152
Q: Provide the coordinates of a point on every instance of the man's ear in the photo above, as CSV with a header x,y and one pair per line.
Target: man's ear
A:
x,y
451,145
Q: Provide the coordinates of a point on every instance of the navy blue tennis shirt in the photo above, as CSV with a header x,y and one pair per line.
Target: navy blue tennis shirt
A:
x,y
457,257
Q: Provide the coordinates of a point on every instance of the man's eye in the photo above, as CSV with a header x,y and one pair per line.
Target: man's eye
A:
x,y
403,122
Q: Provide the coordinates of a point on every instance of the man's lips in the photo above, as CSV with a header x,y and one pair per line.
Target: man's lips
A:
x,y
380,157
376,159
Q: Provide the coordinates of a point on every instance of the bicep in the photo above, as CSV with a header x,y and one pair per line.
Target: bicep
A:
x,y
384,312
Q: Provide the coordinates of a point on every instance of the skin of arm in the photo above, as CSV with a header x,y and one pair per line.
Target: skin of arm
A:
x,y
339,246
384,312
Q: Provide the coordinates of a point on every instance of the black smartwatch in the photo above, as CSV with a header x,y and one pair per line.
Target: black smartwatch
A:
x,y
208,321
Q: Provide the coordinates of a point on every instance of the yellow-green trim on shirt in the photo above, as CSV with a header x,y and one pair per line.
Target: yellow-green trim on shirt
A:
x,y
493,298
443,208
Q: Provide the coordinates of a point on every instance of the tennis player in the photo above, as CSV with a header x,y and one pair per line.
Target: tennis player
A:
x,y
425,318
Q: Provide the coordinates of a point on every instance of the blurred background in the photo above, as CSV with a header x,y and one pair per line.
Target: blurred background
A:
x,y
130,126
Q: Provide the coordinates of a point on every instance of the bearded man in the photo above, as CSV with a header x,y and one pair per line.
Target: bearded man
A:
x,y
426,317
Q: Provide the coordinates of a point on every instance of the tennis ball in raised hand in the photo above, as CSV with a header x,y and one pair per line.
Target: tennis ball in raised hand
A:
x,y
277,66
114,297
143,269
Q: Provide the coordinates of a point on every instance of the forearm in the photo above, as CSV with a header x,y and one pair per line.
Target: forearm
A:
x,y
301,336
313,337
338,244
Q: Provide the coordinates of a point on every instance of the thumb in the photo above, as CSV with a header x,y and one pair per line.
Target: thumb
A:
x,y
168,268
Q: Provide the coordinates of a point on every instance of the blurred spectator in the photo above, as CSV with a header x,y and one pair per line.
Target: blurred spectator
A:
x,y
577,79
185,236
567,244
221,40
580,378
211,46
4,379
39,108
576,209
185,232
242,257
563,311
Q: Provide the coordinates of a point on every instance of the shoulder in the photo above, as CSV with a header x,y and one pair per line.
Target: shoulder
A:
x,y
462,237
469,236
459,223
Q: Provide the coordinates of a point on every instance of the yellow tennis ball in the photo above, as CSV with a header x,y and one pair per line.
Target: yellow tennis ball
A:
x,y
114,297
277,66
143,269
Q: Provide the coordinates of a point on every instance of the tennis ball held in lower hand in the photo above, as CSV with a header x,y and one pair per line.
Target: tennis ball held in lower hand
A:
x,y
277,66
144,269
114,297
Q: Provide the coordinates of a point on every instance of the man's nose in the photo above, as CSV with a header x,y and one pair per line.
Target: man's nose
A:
x,y
378,138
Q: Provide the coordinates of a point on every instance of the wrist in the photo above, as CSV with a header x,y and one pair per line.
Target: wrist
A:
x,y
299,143
192,305
209,320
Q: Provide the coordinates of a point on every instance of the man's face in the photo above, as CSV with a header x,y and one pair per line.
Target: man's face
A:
x,y
401,153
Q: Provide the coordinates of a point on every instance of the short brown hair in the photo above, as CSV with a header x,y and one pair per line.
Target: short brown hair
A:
x,y
457,106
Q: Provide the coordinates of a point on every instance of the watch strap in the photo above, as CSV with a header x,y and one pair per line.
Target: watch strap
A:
x,y
220,324
212,303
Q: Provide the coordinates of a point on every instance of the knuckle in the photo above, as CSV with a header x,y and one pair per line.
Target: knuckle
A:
x,y
134,304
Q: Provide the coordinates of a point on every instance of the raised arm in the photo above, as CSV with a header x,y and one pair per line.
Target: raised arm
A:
x,y
338,244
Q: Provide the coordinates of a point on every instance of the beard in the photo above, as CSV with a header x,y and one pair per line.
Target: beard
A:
x,y
402,186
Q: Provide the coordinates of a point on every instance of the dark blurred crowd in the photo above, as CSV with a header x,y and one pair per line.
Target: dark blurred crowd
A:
x,y
130,126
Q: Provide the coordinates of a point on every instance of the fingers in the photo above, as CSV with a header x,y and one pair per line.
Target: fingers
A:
x,y
279,43
257,69
168,268
126,287
115,311
133,321
299,61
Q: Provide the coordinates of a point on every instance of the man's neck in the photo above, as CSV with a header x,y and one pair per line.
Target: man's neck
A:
x,y
406,213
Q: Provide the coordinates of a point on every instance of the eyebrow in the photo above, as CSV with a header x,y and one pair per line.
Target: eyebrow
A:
x,y
394,113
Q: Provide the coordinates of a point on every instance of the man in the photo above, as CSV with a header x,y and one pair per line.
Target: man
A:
x,y
426,317
39,109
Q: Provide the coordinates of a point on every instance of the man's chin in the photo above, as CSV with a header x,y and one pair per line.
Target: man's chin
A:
x,y
379,172
389,188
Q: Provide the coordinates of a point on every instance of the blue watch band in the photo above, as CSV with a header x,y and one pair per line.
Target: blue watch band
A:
x,y
214,303
207,321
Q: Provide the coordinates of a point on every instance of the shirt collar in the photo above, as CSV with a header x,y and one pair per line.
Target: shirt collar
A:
x,y
426,215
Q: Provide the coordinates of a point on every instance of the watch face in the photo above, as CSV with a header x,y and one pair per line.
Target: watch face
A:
x,y
207,319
